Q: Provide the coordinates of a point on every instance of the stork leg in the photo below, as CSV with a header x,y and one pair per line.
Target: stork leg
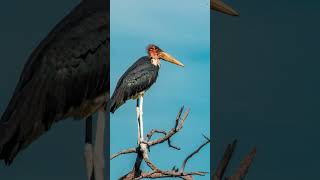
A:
x,y
138,119
99,146
88,149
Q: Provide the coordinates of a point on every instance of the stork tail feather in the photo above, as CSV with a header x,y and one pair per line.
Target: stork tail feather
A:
x,y
117,100
16,128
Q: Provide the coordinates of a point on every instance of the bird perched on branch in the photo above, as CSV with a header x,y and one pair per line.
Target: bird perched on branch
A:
x,y
67,75
138,79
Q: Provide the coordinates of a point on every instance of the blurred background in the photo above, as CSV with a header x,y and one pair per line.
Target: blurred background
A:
x,y
266,87
58,154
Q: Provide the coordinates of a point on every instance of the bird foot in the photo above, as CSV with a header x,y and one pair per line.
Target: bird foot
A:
x,y
144,145
143,142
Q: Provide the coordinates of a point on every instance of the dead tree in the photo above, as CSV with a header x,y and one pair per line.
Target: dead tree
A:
x,y
143,150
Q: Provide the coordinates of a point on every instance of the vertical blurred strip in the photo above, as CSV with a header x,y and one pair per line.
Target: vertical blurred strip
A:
x,y
107,145
215,5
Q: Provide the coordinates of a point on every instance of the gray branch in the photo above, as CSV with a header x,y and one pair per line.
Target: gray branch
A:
x,y
144,147
126,151
192,154
242,171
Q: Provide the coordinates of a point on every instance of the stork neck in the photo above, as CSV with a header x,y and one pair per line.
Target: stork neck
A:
x,y
155,61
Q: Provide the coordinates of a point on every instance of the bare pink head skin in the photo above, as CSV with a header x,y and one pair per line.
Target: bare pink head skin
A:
x,y
156,53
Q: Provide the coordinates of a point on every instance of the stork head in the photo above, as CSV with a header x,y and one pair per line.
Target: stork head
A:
x,y
218,5
156,54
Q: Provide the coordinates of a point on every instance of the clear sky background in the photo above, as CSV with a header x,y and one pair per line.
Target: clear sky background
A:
x,y
266,86
181,28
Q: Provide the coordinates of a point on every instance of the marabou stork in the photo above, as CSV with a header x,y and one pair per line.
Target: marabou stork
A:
x,y
218,5
137,80
67,75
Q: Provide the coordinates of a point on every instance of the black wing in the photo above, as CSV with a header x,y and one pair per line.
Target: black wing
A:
x,y
139,77
68,67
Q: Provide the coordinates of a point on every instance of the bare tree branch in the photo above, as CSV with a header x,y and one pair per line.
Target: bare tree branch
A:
x,y
178,116
135,172
173,131
225,160
242,171
144,147
126,151
166,137
153,131
192,154
166,174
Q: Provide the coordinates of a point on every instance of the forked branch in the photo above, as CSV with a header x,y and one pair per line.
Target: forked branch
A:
x,y
144,147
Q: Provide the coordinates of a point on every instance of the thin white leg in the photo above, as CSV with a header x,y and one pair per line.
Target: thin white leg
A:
x,y
99,146
141,119
138,119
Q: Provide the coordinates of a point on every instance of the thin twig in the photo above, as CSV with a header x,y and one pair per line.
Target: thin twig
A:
x,y
225,160
178,116
242,171
192,154
172,132
173,146
126,151
153,131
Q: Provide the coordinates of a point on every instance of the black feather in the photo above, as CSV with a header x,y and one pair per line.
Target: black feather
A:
x,y
69,67
138,78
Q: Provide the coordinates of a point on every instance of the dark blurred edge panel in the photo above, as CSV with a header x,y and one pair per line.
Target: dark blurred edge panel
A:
x,y
23,25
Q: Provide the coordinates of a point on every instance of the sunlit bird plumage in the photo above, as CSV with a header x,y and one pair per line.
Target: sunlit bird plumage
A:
x,y
138,79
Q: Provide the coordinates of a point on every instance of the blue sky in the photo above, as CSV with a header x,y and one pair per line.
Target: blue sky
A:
x,y
181,28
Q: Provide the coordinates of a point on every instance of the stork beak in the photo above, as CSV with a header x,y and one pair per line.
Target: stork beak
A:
x,y
167,57
217,5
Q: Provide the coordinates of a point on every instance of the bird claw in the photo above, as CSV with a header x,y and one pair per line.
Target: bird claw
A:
x,y
144,145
